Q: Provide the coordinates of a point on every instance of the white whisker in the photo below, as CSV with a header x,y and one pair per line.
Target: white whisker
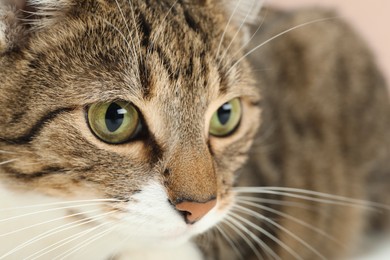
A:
x,y
237,32
275,37
47,210
7,152
46,222
328,198
75,202
276,202
227,26
54,231
268,234
260,216
279,213
230,242
236,227
8,161
65,241
253,34
262,244
128,29
86,243
136,28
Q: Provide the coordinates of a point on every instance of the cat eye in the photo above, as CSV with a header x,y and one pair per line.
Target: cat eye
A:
x,y
226,119
115,122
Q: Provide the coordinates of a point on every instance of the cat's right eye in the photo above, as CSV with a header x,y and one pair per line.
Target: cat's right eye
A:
x,y
115,122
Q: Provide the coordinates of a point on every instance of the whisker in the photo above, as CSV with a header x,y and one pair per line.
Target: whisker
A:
x,y
86,243
48,210
255,32
262,244
128,29
129,46
256,214
47,222
234,226
279,213
268,234
7,152
230,242
237,32
65,241
227,26
54,231
8,161
327,198
276,202
60,203
136,28
275,37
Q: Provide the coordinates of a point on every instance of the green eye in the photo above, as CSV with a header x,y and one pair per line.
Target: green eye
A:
x,y
115,122
226,119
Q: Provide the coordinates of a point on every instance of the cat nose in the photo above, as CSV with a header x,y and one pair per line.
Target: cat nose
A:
x,y
194,211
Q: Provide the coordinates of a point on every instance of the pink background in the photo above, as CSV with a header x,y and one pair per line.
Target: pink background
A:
x,y
370,17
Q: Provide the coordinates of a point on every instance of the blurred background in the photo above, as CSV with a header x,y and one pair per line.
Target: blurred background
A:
x,y
370,17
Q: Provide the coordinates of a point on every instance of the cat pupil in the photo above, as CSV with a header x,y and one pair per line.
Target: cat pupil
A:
x,y
114,117
224,113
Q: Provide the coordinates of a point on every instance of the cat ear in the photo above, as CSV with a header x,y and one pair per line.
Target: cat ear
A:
x,y
243,11
18,18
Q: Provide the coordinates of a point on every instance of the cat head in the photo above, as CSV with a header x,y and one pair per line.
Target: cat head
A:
x,y
147,105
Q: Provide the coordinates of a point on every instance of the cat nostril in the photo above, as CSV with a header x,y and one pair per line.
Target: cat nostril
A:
x,y
194,211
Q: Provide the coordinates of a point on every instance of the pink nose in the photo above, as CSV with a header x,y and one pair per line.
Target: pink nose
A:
x,y
194,211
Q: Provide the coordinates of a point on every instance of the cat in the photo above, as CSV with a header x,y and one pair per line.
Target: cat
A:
x,y
183,129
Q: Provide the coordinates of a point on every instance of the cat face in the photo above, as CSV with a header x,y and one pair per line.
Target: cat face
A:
x,y
140,109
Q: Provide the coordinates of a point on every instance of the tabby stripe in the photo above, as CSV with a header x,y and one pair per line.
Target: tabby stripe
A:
x,y
166,61
47,172
34,131
146,30
155,150
145,80
194,25
40,174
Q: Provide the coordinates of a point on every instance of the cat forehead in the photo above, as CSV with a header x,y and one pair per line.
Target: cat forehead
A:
x,y
157,42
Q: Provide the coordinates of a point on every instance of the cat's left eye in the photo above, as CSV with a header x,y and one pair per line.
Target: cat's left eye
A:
x,y
115,122
226,119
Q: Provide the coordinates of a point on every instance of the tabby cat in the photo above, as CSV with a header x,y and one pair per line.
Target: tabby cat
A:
x,y
183,129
